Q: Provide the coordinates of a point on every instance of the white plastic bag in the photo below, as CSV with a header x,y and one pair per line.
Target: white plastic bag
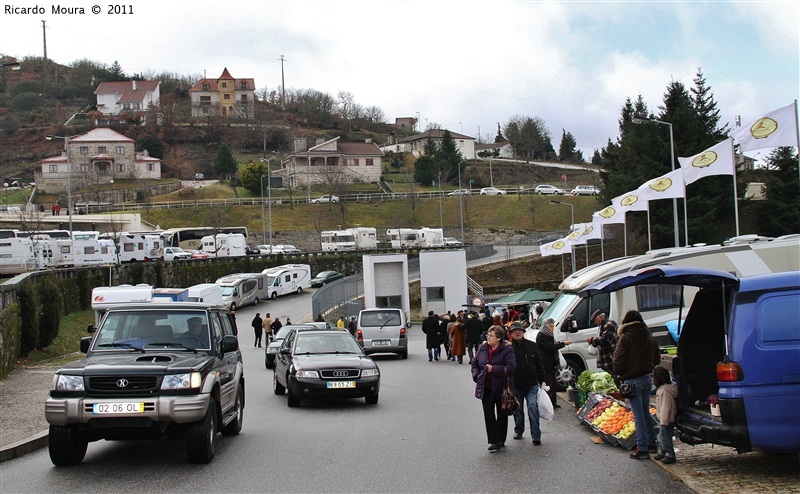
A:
x,y
562,362
591,350
546,411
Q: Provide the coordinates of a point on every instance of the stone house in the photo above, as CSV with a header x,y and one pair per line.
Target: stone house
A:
x,y
331,161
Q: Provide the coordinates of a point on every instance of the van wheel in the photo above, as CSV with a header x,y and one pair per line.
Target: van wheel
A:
x,y
66,447
201,437
273,295
299,290
256,302
233,306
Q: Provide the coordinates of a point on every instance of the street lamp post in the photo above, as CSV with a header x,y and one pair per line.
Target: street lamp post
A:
x,y
641,120
269,199
69,175
572,215
441,221
460,206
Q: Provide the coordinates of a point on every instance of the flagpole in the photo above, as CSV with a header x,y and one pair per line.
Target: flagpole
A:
x,y
686,215
797,130
649,241
735,193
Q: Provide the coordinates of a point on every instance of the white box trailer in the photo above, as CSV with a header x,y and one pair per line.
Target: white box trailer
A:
x,y
288,278
243,289
658,304
104,297
224,245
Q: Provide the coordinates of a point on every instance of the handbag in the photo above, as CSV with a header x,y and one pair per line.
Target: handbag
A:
x,y
508,402
627,390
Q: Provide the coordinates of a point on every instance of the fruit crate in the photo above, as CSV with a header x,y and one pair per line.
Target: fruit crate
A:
x,y
629,443
582,395
591,400
606,436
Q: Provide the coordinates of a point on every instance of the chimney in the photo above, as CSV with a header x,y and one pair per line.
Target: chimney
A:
x,y
368,141
134,84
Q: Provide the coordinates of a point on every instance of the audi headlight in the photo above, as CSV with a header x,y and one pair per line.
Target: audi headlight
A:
x,y
62,382
370,373
189,380
313,374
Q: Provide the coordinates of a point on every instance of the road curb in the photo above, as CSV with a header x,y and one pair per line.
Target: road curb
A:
x,y
23,447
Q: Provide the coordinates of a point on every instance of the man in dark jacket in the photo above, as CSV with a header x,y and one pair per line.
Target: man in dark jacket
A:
x,y
258,329
528,376
430,326
605,343
474,328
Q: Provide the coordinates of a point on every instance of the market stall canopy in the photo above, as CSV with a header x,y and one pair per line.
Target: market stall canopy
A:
x,y
525,296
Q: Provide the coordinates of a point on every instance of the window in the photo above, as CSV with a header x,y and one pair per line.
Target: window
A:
x,y
120,150
85,168
656,297
101,149
243,85
777,318
53,168
151,167
226,96
435,293
84,150
88,250
224,84
120,167
206,87
370,162
388,301
244,98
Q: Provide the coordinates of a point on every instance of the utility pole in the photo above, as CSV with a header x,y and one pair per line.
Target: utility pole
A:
x,y
283,86
44,39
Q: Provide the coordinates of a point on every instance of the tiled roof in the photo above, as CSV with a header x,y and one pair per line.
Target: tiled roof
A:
x,y
433,134
213,84
125,90
101,134
360,149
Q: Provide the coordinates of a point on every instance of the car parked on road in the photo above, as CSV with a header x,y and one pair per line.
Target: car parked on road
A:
x,y
198,176
325,198
585,190
459,192
325,277
452,242
196,254
492,191
285,249
150,370
272,349
548,189
175,254
315,363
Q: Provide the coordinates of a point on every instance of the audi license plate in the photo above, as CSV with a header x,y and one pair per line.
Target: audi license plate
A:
x,y
341,384
380,343
111,408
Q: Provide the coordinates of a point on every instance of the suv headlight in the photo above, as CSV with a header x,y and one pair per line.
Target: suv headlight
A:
x,y
189,380
313,374
62,382
370,373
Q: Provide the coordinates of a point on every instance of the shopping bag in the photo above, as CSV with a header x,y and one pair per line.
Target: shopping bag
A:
x,y
546,411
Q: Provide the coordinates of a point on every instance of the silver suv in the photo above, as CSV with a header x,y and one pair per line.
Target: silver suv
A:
x,y
150,370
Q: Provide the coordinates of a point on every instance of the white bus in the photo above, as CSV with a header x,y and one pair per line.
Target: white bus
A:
x,y
335,240
289,278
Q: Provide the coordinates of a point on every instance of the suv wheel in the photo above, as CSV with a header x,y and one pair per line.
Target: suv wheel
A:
x,y
66,447
235,426
277,388
201,436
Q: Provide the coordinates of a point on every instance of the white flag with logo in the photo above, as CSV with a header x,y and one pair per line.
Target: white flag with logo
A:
x,y
556,248
716,160
776,128
610,215
667,186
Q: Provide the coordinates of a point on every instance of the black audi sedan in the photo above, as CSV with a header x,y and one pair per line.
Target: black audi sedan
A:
x,y
313,363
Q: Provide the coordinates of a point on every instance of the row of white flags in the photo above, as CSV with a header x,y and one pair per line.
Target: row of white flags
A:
x,y
775,129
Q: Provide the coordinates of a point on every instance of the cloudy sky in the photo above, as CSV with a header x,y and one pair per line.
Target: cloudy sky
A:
x,y
464,65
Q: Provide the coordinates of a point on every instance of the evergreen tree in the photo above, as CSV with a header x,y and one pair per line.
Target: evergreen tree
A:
x,y
779,214
224,162
567,151
499,137
152,144
597,159
251,177
425,170
115,73
448,158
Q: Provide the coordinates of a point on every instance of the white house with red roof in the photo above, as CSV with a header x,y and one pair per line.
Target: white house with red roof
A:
x,y
225,96
96,157
115,97
331,162
416,144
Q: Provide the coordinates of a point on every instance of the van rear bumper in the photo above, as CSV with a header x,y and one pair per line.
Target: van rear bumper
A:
x,y
696,426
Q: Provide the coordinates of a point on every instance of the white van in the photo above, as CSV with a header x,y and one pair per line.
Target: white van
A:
x,y
104,297
382,331
16,255
659,305
288,278
224,245
207,293
242,289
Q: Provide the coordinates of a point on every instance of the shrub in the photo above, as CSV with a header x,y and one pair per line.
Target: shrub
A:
x,y
50,318
29,309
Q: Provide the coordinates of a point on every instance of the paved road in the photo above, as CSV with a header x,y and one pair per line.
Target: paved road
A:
x,y
425,435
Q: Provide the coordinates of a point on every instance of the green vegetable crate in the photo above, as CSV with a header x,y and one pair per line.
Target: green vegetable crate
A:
x,y
581,398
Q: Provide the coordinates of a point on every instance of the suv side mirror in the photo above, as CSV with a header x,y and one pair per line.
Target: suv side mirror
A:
x,y
230,343
90,328
85,342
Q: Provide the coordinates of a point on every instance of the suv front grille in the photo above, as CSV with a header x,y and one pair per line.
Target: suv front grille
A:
x,y
123,384
340,373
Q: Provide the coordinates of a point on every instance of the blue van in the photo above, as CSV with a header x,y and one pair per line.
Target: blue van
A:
x,y
740,343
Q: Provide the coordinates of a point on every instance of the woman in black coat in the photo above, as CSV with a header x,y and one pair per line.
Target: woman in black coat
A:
x,y
549,349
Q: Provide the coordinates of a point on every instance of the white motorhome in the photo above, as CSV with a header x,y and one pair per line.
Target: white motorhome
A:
x,y
137,247
43,247
658,304
104,297
63,254
207,293
336,240
289,278
224,245
430,237
91,250
401,238
365,237
16,255
243,289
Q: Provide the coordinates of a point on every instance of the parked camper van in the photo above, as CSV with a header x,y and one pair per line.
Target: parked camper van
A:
x,y
207,293
336,240
104,297
738,347
224,245
288,278
382,331
242,289
91,250
16,255
139,247
658,304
